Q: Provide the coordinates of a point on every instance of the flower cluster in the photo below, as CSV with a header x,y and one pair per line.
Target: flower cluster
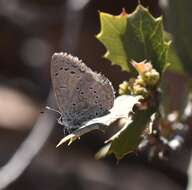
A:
x,y
147,79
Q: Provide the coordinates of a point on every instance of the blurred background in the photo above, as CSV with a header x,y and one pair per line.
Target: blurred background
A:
x,y
31,31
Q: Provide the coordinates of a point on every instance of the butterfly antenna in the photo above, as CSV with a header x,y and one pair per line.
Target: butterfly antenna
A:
x,y
52,109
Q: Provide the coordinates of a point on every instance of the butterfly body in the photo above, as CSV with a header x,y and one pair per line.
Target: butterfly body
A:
x,y
81,94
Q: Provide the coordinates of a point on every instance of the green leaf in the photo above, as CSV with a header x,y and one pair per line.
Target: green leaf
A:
x,y
129,137
173,60
103,152
178,16
136,36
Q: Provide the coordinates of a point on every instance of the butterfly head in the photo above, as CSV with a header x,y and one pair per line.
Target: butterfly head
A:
x,y
67,122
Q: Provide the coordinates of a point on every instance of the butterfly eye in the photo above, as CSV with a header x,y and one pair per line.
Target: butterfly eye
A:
x,y
72,72
56,74
61,68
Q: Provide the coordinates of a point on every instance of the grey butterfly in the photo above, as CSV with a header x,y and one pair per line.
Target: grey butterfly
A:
x,y
81,94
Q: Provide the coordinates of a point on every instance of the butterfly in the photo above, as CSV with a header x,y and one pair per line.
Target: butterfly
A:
x,y
81,94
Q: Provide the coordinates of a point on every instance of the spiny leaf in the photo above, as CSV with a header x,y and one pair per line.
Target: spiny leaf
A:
x,y
173,60
178,15
103,152
135,36
129,137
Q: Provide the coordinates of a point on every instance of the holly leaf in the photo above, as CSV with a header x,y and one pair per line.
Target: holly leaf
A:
x,y
103,152
173,60
178,16
129,137
136,36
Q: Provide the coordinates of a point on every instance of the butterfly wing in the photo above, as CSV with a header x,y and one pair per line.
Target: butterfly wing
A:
x,y
63,79
81,93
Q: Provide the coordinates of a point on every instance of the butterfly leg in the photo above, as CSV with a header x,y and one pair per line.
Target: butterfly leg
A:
x,y
67,131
